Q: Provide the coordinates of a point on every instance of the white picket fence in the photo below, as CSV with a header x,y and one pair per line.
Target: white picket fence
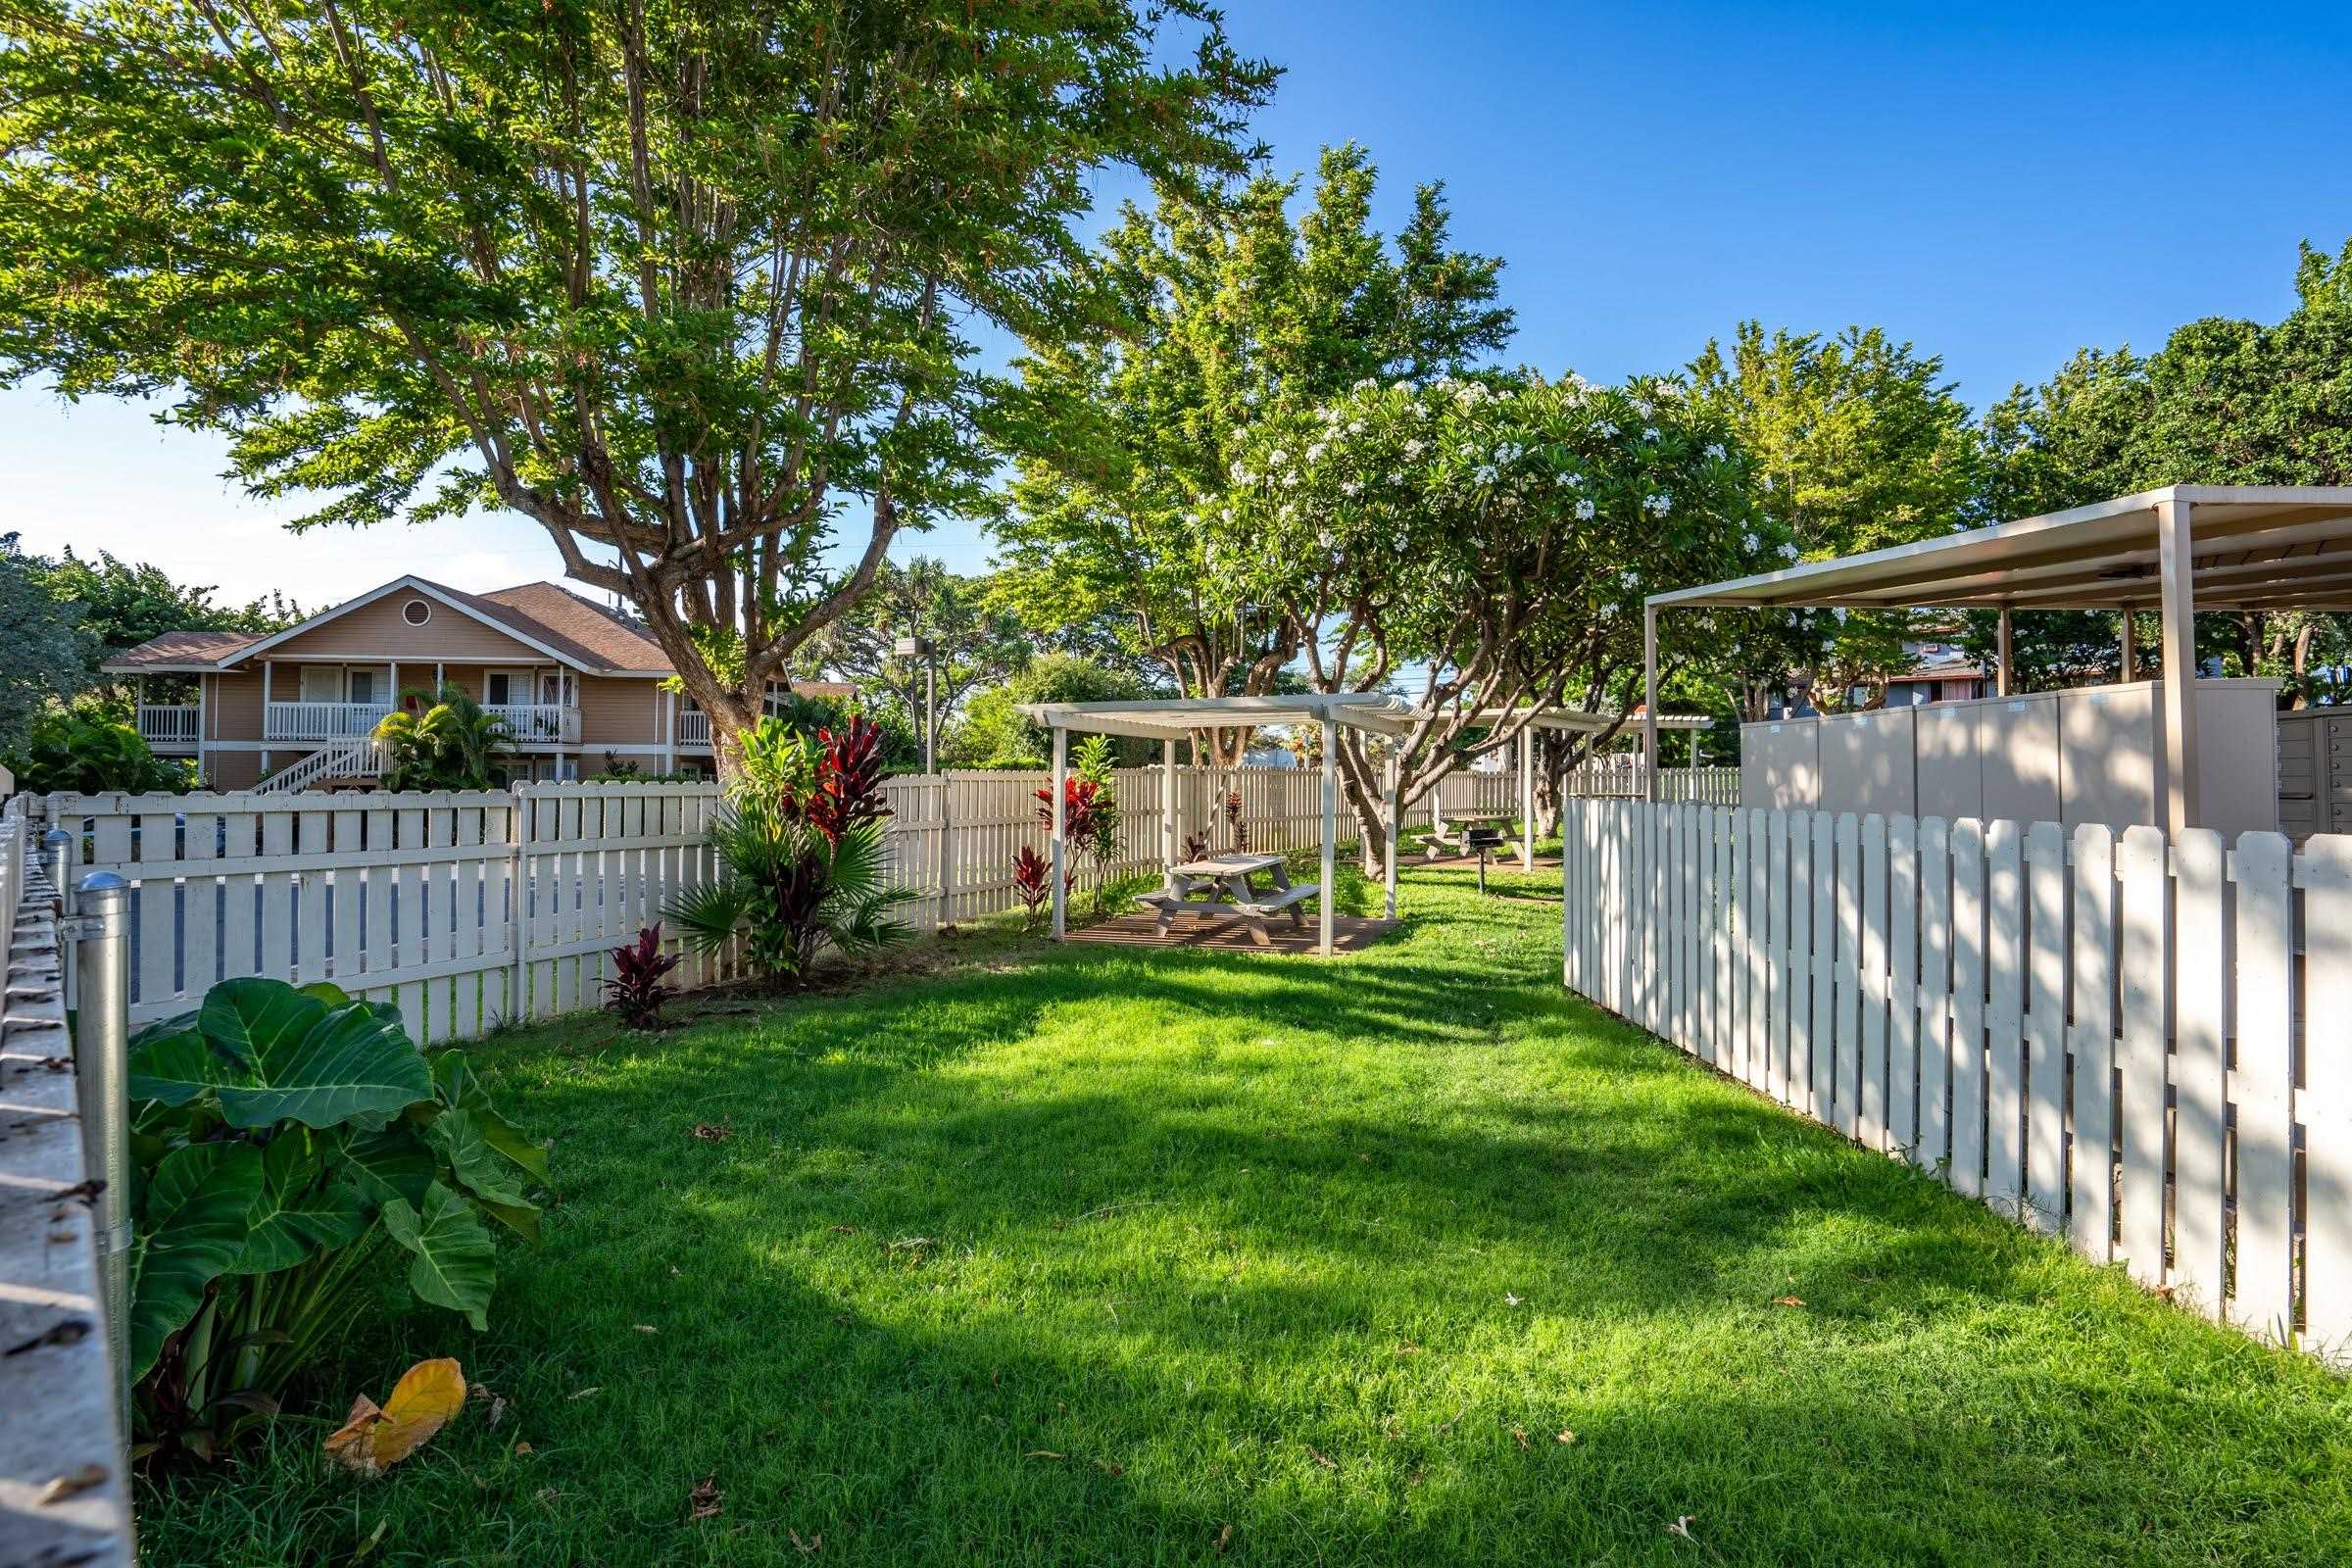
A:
x,y
1626,778
474,909
2099,1036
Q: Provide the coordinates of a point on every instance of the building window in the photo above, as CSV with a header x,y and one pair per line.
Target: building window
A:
x,y
496,691
416,611
362,686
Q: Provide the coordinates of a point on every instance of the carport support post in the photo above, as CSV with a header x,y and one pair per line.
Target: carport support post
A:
x,y
2131,645
1331,826
2178,623
2005,657
1061,829
1650,702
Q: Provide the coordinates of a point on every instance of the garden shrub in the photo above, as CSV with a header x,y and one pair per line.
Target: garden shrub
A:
x,y
285,1142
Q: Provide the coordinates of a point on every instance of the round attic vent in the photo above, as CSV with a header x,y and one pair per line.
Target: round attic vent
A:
x,y
416,611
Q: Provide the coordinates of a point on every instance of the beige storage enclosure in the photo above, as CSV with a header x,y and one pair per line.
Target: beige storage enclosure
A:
x,y
2090,755
1868,764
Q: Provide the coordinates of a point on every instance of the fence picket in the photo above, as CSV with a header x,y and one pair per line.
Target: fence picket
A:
x,y
2005,941
2263,1086
1870,1118
1967,1127
2200,1025
1934,1129
2146,950
2044,1195
2090,1166
2323,872
1902,985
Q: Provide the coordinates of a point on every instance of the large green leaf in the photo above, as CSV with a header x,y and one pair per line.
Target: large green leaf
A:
x,y
455,1084
456,1259
392,1163
476,1167
172,1067
298,1214
192,1228
353,1065
249,1019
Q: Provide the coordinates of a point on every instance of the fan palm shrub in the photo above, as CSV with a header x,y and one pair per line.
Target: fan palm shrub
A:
x,y
801,853
452,744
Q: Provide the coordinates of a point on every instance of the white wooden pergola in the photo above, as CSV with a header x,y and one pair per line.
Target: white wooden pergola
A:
x,y
1574,722
2174,551
1173,719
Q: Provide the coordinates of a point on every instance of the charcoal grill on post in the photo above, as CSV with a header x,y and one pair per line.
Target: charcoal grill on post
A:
x,y
1483,842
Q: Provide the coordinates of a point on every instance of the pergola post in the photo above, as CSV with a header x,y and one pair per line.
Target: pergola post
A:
x,y
1331,826
1650,700
1390,873
1527,799
1061,829
2000,672
1168,801
2177,621
2131,645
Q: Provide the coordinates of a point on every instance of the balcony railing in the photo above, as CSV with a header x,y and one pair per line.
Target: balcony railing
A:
x,y
173,724
322,721
694,728
530,723
539,723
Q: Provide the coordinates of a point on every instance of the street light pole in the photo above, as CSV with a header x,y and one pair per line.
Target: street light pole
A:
x,y
925,649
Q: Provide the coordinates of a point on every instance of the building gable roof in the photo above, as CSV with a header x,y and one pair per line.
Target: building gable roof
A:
x,y
549,620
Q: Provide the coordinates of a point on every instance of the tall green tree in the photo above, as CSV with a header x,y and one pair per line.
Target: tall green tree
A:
x,y
684,281
2224,402
973,644
1862,442
1126,446
44,650
126,603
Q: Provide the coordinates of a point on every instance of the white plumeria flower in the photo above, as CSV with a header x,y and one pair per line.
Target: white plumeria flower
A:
x,y
1649,432
1583,512
1367,383
1485,474
1574,481
1752,542
1401,542
1769,485
1412,448
1314,454
1396,478
1355,427
1840,612
1788,552
1642,407
1608,431
1657,505
1279,458
1715,450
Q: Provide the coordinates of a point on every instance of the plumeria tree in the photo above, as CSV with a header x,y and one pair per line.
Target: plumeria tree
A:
x,y
1483,544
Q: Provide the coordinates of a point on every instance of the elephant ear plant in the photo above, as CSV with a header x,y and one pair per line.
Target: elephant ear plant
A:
x,y
287,1143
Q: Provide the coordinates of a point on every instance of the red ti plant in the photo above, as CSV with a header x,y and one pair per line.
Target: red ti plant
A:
x,y
849,779
1240,829
636,990
1032,880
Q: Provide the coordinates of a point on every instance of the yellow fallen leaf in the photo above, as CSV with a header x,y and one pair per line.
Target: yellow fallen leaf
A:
x,y
374,1438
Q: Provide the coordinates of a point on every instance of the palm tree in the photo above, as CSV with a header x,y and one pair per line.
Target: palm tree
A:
x,y
452,745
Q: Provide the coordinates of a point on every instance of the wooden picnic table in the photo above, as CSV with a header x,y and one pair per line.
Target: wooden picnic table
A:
x,y
1459,840
1223,883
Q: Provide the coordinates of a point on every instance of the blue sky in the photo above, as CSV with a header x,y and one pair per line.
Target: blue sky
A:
x,y
1998,184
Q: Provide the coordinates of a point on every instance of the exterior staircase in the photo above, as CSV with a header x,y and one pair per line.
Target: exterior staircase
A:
x,y
334,763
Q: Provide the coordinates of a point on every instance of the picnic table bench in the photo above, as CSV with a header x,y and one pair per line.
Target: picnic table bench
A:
x,y
1451,829
1223,883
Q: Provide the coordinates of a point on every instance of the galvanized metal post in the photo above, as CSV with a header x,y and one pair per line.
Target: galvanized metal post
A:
x,y
101,1068
1061,829
56,845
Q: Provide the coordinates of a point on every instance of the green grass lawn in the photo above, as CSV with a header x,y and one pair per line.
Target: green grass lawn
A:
x,y
1110,1256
